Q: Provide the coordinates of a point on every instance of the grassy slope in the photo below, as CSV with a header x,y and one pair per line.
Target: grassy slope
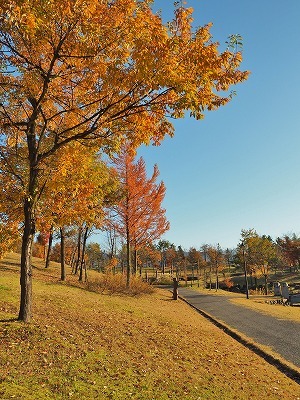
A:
x,y
83,345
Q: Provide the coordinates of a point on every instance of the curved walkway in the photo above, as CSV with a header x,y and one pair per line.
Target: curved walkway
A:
x,y
283,336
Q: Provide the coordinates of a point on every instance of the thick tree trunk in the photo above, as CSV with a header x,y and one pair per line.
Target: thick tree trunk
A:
x,y
29,225
49,248
26,267
62,255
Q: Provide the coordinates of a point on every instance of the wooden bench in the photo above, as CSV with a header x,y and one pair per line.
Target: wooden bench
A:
x,y
294,299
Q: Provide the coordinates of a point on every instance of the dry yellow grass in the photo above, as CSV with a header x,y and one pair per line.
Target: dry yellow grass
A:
x,y
83,345
277,310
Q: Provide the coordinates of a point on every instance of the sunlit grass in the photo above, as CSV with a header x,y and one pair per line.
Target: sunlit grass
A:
x,y
84,345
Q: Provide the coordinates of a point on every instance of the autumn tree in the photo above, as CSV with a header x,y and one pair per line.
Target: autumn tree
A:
x,y
10,207
216,262
69,247
98,72
138,217
150,257
289,246
9,234
75,196
94,255
260,252
171,256
40,247
229,257
163,246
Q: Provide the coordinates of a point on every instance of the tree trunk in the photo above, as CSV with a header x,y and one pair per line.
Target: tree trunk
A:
x,y
49,248
128,270
266,285
217,279
163,262
26,267
85,272
83,252
78,251
175,289
62,255
135,269
141,269
72,260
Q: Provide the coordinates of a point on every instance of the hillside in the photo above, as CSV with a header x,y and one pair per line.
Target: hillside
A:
x,y
86,345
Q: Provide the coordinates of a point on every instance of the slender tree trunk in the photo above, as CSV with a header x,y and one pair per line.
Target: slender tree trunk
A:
x,y
49,248
72,261
78,251
217,280
135,261
266,285
217,276
83,252
85,272
111,237
141,269
62,255
26,266
163,262
128,270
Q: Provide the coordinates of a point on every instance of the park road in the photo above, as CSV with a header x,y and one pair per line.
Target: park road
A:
x,y
283,336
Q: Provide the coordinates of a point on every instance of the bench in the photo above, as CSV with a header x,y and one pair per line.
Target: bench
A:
x,y
294,299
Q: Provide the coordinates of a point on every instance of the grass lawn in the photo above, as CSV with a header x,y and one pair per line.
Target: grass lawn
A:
x,y
86,345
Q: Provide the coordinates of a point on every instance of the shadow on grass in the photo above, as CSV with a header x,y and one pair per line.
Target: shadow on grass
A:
x,y
9,266
14,319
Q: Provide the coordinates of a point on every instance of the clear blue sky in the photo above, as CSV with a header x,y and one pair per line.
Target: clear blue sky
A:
x,y
240,167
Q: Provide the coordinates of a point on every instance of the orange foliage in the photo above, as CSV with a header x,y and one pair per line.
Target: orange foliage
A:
x,y
101,72
139,216
95,69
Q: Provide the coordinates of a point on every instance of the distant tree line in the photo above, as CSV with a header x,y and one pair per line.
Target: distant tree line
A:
x,y
209,265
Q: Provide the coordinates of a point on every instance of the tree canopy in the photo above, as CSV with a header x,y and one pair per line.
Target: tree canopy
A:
x,y
97,72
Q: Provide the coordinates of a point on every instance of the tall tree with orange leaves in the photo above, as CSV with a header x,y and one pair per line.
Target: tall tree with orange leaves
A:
x,y
90,71
139,217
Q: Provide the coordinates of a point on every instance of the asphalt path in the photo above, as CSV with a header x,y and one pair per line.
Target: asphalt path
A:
x,y
283,336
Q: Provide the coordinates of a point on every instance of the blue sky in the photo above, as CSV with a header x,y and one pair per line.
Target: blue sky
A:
x,y
240,167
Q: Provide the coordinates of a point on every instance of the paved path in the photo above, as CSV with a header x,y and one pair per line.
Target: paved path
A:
x,y
283,336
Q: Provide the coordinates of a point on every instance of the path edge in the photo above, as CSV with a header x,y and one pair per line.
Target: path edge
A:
x,y
287,370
